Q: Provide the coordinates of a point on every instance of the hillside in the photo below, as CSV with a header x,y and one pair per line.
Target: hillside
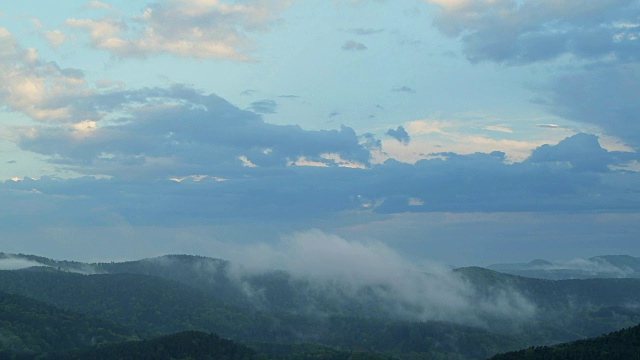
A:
x,y
619,345
471,312
159,306
29,327
202,346
184,345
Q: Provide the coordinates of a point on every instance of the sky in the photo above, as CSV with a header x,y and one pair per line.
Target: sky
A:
x,y
462,132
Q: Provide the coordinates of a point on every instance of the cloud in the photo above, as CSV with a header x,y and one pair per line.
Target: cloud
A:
x,y
404,89
400,134
601,96
363,31
264,107
332,265
143,160
95,4
179,132
498,128
581,152
353,46
14,263
41,89
192,28
520,32
55,38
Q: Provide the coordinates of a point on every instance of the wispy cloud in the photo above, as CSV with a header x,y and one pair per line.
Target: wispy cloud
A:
x,y
353,46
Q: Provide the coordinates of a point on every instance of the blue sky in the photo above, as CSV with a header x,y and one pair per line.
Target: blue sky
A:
x,y
454,131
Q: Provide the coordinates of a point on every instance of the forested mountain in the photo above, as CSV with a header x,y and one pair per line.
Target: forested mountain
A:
x,y
158,306
184,345
619,345
202,346
470,313
29,327
566,309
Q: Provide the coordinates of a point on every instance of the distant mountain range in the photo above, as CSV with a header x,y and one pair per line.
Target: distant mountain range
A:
x,y
467,313
608,266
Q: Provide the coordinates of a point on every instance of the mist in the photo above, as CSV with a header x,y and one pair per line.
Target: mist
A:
x,y
377,278
16,263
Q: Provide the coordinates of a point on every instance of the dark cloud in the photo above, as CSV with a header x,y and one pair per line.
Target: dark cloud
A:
x,y
581,152
523,32
555,179
353,46
183,132
11,162
264,107
400,134
248,92
370,142
602,96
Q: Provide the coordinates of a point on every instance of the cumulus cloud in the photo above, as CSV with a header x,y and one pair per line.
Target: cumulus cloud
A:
x,y
193,28
528,31
41,89
581,152
179,132
400,134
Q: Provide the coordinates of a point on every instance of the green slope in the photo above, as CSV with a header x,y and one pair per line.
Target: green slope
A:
x,y
159,306
180,346
619,345
29,327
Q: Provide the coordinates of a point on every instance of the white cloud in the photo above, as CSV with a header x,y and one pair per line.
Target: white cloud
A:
x,y
40,89
95,4
55,38
190,28
432,137
346,267
246,162
498,128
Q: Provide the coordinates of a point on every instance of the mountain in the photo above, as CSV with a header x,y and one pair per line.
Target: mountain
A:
x,y
184,345
200,345
619,345
565,309
158,306
29,328
145,303
469,313
606,266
